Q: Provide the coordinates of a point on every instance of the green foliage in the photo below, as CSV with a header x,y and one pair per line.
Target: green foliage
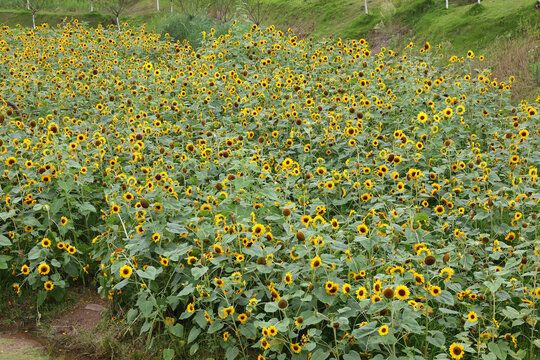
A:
x,y
262,194
476,9
190,28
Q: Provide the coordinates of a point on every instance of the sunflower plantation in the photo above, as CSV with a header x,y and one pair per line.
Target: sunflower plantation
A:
x,y
270,197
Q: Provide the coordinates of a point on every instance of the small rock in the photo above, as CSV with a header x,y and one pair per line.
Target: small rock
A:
x,y
94,307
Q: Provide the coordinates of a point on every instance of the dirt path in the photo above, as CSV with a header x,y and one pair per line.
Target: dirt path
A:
x,y
21,346
59,337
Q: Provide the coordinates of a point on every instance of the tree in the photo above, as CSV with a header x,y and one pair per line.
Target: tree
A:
x,y
223,8
116,7
365,6
34,6
91,5
447,4
254,10
157,5
191,7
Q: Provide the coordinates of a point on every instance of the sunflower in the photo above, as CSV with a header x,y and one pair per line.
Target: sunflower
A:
x,y
439,209
456,351
296,348
288,278
46,243
362,229
258,229
25,270
383,330
44,269
316,262
472,316
422,117
126,271
164,261
71,249
242,318
448,112
48,285
402,292
63,221
361,293
435,290
10,161
330,185
306,219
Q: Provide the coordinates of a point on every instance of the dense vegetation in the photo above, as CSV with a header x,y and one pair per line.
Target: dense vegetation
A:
x,y
270,196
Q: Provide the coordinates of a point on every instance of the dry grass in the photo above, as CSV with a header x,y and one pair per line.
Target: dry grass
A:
x,y
517,57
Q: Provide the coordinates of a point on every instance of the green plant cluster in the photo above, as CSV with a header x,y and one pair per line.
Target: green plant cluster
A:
x,y
271,197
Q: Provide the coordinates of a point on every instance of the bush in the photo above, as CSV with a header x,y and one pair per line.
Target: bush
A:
x,y
187,27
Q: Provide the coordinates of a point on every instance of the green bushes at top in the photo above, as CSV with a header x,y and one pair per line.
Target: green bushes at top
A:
x,y
186,27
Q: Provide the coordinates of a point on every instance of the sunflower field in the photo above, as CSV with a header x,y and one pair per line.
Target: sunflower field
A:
x,y
270,197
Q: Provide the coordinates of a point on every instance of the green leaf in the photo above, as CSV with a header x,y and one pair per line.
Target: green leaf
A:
x,y
66,185
6,215
320,354
197,272
146,307
177,330
353,355
493,286
365,330
3,261
175,229
215,326
150,273
499,351
232,353
193,334
270,307
193,349
187,290
131,314
4,241
511,313
436,338
249,331
87,208
168,354
421,217
41,298
445,298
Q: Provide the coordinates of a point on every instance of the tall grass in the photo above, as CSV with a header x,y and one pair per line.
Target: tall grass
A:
x,y
51,5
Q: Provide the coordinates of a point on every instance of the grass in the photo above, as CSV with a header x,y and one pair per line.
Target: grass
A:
x,y
24,18
9,350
